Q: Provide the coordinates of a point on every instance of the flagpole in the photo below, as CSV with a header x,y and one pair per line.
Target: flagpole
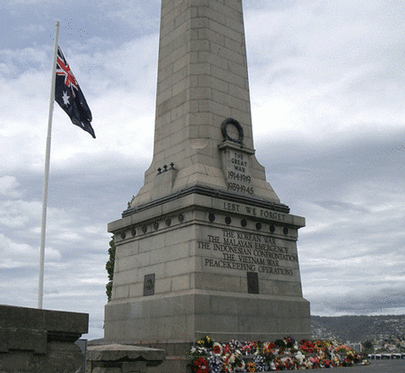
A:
x,y
46,174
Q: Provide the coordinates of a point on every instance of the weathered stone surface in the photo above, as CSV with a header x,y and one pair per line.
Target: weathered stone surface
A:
x,y
117,358
114,352
199,313
40,341
48,320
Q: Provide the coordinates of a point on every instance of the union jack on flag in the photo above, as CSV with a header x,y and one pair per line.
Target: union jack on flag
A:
x,y
70,97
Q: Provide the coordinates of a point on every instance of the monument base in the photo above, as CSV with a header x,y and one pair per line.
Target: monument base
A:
x,y
188,316
176,359
175,322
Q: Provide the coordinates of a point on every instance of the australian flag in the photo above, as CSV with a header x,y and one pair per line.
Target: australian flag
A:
x,y
70,97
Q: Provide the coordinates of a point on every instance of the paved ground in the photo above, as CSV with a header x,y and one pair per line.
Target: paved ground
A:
x,y
376,366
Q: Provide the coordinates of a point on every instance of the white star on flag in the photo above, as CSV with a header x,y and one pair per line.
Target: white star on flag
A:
x,y
65,98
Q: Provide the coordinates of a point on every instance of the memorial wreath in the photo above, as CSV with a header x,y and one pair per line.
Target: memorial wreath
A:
x,y
209,356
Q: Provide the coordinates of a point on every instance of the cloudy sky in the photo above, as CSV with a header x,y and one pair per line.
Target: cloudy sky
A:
x,y
327,84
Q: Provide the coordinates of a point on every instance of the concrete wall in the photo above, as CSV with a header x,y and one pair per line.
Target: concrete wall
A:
x,y
40,341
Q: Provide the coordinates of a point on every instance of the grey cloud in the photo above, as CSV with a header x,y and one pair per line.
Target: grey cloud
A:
x,y
327,118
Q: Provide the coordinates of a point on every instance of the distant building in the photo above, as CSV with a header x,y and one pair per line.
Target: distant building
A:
x,y
358,347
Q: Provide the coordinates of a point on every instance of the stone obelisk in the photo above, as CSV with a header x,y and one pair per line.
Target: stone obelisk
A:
x,y
205,247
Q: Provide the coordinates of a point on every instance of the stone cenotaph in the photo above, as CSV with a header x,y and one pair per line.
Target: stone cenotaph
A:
x,y
205,247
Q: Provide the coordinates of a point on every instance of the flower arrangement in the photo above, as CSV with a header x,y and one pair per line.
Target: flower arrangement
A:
x,y
209,356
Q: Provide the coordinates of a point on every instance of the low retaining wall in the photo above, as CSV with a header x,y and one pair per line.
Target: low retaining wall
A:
x,y
40,341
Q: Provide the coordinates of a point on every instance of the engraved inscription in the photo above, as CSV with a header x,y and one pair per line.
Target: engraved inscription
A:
x,y
238,250
253,211
238,174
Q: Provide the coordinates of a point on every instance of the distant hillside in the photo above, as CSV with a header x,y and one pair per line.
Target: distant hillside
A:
x,y
358,328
